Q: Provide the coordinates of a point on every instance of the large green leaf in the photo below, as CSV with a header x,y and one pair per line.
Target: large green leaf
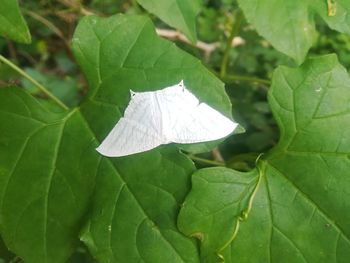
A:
x,y
50,171
219,200
177,13
12,24
300,210
135,208
289,24
129,55
47,170
135,58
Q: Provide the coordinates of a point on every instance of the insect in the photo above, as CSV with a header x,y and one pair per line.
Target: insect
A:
x,y
172,114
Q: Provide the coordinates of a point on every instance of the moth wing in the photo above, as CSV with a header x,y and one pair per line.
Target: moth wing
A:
x,y
192,122
138,131
128,137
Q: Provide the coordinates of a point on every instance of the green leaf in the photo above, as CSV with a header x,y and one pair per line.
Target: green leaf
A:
x,y
219,199
297,208
289,25
41,214
301,209
5,254
52,179
12,24
177,13
134,213
47,171
135,58
135,208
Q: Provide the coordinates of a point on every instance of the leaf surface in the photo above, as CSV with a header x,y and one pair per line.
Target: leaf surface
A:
x,y
129,55
300,211
48,166
53,181
12,24
299,206
176,13
219,199
289,25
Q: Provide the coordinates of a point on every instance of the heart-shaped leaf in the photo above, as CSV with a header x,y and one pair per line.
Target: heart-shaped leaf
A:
x,y
50,172
302,207
300,211
129,55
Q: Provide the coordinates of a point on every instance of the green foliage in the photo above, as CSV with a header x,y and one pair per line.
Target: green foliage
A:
x,y
64,89
274,199
219,199
125,224
68,167
140,61
12,24
298,210
177,13
289,25
41,213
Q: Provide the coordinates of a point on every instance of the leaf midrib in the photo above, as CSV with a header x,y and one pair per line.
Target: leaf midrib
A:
x,y
129,189
51,174
310,201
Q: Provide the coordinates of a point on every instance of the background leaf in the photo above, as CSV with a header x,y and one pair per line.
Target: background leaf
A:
x,y
64,89
289,25
219,199
301,208
176,13
12,24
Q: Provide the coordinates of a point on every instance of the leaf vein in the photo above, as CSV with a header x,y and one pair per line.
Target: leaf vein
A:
x,y
308,199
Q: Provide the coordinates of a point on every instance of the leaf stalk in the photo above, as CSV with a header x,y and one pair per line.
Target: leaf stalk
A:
x,y
234,31
247,79
37,84
205,161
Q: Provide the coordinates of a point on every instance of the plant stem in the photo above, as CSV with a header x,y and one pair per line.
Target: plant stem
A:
x,y
45,22
206,161
247,79
52,27
234,31
136,6
41,87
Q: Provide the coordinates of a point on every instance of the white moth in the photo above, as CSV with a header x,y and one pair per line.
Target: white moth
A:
x,y
172,114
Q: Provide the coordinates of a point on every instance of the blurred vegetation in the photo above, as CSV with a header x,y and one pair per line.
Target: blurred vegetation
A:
x,y
246,67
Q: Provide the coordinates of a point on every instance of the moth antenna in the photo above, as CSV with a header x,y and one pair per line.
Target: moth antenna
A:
x,y
181,84
132,93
